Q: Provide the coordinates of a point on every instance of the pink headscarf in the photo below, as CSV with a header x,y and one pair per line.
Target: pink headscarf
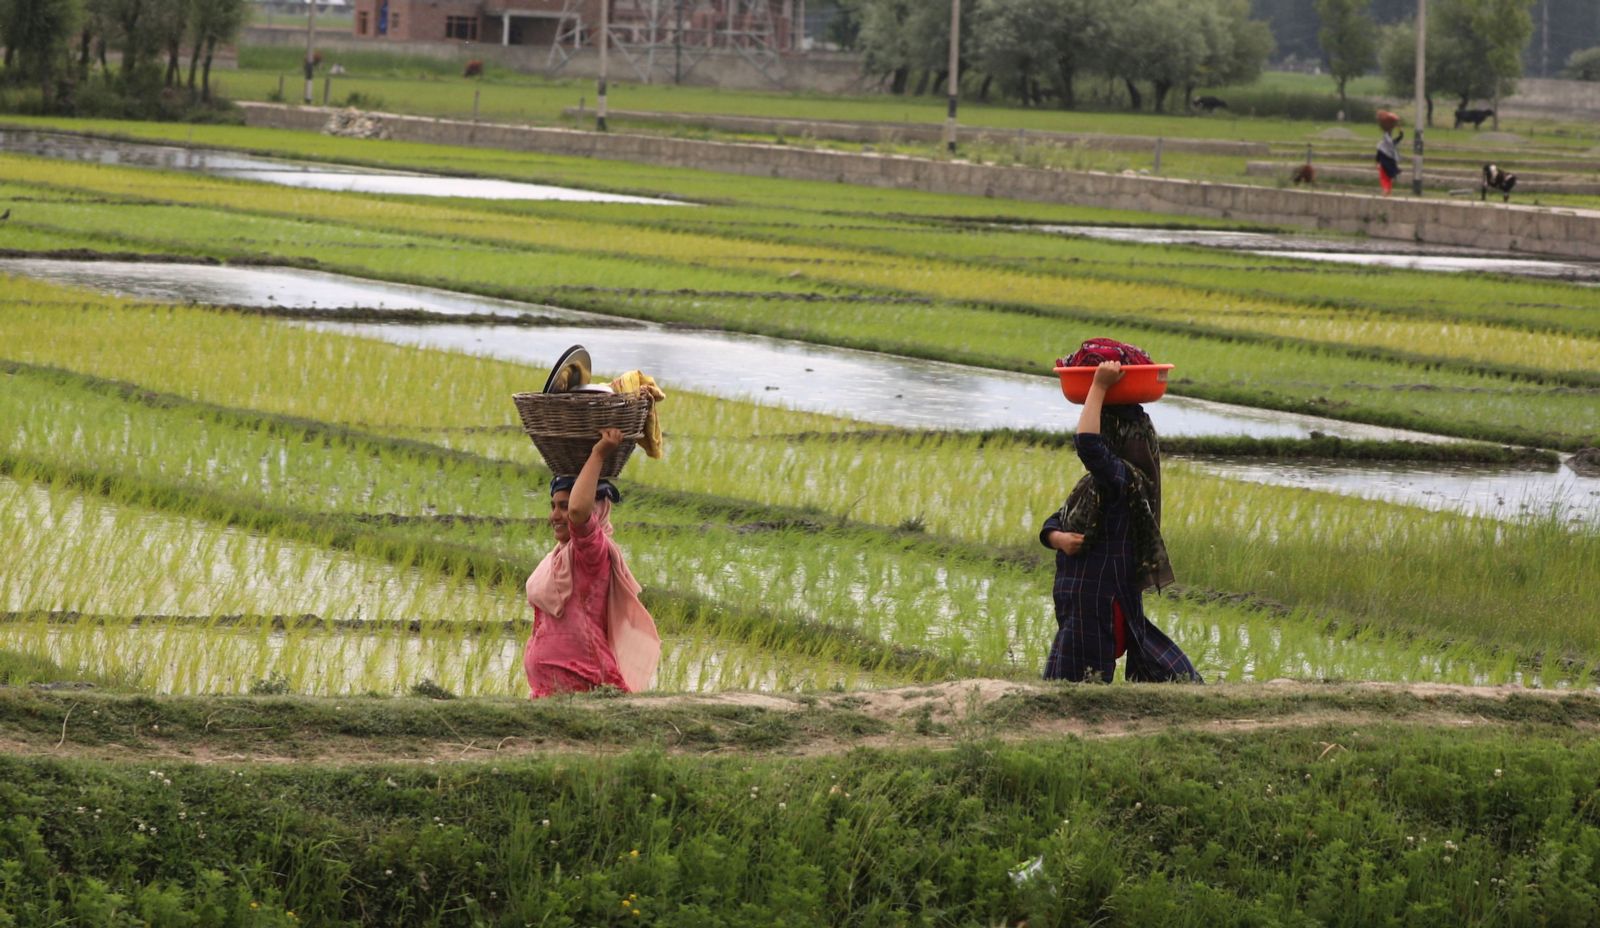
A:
x,y
629,628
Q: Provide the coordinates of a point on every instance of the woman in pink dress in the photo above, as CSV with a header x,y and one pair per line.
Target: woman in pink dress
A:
x,y
589,628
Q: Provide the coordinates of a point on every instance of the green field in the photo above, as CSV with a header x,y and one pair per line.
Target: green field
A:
x,y
264,542
1287,111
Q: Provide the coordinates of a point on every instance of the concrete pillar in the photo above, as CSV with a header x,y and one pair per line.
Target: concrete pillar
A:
x,y
505,28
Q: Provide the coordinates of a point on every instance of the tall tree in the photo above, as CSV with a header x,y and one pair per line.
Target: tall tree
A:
x,y
885,46
1013,44
1398,59
213,22
1236,46
1484,39
1349,40
134,21
169,25
36,35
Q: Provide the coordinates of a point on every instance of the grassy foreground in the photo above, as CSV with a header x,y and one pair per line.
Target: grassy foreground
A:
x,y
1313,821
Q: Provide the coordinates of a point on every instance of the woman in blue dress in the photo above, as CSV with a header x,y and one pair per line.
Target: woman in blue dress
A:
x,y
1107,539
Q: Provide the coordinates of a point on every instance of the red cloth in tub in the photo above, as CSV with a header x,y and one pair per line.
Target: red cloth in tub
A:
x,y
1096,350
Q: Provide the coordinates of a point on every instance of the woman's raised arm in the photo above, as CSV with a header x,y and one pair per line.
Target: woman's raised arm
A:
x,y
582,501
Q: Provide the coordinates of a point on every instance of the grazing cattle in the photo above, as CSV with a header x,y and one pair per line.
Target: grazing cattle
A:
x,y
1476,117
474,69
1305,174
1210,104
1496,179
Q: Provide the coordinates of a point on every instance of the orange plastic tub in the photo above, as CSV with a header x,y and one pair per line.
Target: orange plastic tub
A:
x,y
1140,383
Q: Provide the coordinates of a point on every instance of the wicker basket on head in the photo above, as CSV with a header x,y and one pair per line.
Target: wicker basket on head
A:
x,y
564,426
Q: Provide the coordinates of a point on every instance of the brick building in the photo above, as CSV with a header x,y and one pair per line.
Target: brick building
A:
x,y
708,23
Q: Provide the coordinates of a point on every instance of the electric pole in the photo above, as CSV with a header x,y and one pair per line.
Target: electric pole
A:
x,y
605,30
311,62
1422,97
955,75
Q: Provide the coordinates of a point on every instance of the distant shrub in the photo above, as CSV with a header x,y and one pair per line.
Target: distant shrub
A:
x,y
1289,104
427,689
1584,65
275,685
363,101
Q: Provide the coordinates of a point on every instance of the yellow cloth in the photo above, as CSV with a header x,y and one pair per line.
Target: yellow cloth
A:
x,y
640,382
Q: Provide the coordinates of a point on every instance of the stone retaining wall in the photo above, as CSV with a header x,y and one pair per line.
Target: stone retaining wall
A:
x,y
1565,232
1529,183
877,132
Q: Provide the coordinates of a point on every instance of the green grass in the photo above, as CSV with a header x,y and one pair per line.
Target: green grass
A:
x,y
529,98
1318,826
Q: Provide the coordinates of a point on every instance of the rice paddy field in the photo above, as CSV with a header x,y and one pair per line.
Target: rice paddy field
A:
x,y
262,610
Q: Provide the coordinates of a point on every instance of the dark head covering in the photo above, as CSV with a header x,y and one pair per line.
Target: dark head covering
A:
x,y
604,490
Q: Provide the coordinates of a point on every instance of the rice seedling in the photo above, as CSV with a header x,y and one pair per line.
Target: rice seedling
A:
x,y
973,610
1155,303
1299,374
169,603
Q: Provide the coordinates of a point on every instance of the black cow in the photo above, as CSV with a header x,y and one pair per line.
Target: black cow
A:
x,y
1494,178
1210,104
1476,117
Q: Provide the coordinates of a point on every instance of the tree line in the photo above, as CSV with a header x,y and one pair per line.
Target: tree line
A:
x,y
164,48
1474,48
1038,52
1561,28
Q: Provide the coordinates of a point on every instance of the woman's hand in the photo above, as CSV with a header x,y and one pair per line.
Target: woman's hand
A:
x,y
1107,374
607,443
581,502
1068,543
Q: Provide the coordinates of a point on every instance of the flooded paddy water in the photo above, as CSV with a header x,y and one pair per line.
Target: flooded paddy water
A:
x,y
290,173
1365,252
862,385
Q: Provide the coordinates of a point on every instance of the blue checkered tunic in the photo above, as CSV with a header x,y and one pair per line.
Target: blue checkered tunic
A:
x,y
1090,582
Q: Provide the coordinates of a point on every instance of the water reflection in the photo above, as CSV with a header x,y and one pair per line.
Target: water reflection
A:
x,y
861,385
294,173
1482,489
1372,252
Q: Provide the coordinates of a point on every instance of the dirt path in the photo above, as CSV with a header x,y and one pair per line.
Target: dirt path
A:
x,y
239,730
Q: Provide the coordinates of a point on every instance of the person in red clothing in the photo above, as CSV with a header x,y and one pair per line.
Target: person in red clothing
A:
x,y
589,627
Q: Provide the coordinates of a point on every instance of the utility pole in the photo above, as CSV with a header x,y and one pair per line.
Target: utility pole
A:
x,y
605,42
1544,52
954,89
1422,97
311,64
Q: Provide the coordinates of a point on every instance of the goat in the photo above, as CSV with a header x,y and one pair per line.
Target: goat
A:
x,y
1497,179
1210,104
1476,117
1304,174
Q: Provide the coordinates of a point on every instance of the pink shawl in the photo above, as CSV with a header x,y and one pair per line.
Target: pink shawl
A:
x,y
630,629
